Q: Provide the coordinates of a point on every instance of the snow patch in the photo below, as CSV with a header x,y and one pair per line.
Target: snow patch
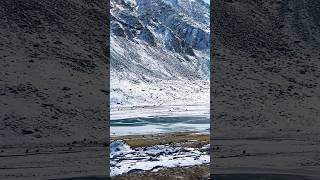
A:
x,y
124,159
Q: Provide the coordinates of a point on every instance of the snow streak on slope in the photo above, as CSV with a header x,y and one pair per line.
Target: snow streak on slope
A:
x,y
159,53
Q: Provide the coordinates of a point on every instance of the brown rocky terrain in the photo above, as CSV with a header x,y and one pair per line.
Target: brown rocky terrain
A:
x,y
53,85
265,85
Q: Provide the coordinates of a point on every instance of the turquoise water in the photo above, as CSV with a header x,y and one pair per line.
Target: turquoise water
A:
x,y
161,124
159,121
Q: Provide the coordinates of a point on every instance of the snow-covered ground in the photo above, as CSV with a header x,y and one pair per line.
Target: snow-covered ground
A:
x,y
159,128
160,58
156,77
152,111
124,159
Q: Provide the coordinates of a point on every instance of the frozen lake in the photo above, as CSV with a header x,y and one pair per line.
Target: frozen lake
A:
x,y
159,124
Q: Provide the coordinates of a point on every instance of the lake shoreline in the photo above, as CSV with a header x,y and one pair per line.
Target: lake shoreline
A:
x,y
183,140
190,139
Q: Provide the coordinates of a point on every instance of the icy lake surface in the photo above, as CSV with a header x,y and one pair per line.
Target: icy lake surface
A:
x,y
124,159
159,124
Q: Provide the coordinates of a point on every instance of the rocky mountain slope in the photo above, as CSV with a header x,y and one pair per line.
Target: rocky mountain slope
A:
x,y
159,52
265,68
53,69
53,88
265,87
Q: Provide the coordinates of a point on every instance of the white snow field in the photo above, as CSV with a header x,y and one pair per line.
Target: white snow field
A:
x,y
159,57
124,159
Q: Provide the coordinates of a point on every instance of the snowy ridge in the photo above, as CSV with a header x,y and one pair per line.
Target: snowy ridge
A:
x,y
125,159
159,53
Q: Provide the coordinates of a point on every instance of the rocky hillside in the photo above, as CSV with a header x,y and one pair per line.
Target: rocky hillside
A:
x,y
266,59
159,52
53,71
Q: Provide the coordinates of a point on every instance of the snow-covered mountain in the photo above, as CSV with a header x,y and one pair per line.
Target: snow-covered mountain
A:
x,y
159,52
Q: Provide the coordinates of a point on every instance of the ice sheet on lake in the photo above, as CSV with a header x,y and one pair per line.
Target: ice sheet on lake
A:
x,y
168,110
124,159
159,124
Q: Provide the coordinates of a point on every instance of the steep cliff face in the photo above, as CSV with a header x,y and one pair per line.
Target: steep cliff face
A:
x,y
159,51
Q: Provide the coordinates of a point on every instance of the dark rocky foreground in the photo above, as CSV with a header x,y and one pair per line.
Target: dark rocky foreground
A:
x,y
260,176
